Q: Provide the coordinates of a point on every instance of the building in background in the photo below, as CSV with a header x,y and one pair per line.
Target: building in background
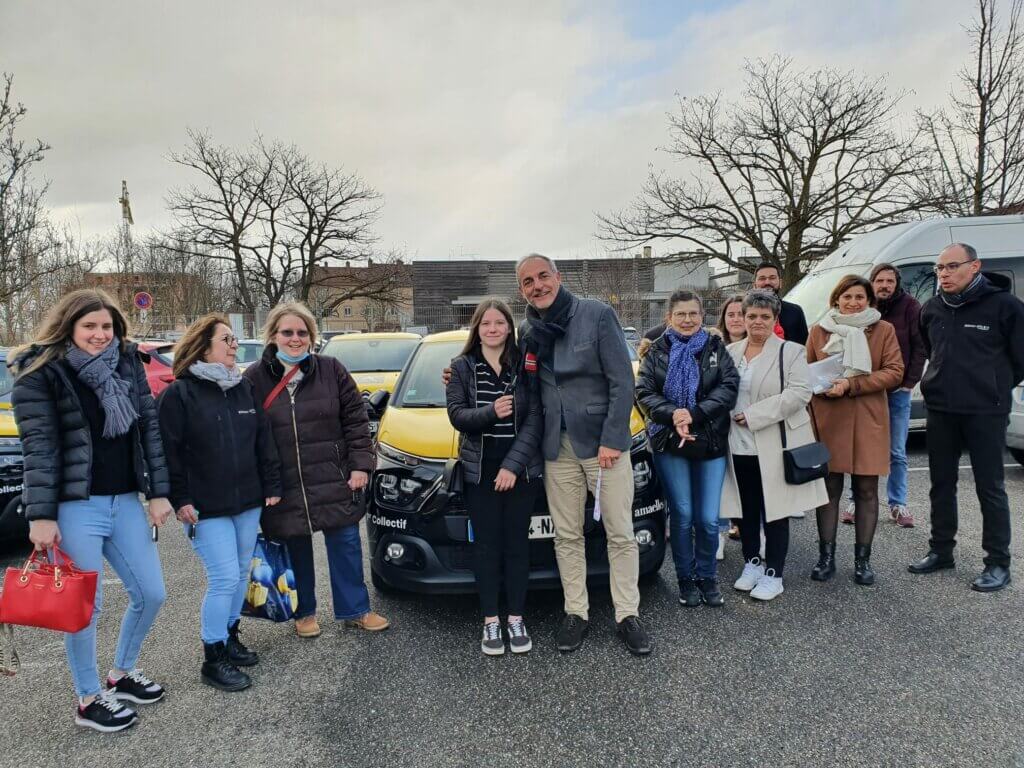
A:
x,y
374,297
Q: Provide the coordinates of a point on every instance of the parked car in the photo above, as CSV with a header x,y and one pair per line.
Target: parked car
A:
x,y
416,521
632,335
374,359
159,371
913,248
1015,429
13,526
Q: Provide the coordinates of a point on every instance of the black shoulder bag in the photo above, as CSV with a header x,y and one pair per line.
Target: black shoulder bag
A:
x,y
808,462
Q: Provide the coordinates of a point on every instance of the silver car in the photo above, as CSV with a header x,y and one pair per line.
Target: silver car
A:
x,y
1015,431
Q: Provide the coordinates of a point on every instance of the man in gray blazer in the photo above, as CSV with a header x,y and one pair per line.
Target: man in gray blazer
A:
x,y
579,351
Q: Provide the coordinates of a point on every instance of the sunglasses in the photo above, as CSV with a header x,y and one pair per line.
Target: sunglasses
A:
x,y
288,333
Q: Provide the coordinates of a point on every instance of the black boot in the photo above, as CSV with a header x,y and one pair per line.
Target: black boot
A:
x,y
862,573
826,566
238,654
221,673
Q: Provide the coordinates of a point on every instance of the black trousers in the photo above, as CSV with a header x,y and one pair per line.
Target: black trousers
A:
x,y
984,437
501,529
776,533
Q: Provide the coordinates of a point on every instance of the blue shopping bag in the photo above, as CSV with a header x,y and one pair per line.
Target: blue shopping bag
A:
x,y
271,594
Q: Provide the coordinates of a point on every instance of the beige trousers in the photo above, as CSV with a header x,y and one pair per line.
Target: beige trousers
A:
x,y
566,480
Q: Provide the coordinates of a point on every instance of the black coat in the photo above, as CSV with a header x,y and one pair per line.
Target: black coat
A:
x,y
322,434
793,322
716,394
56,441
975,352
220,452
524,455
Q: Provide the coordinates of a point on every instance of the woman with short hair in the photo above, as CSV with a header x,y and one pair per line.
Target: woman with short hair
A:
x,y
853,416
322,433
224,470
91,444
768,402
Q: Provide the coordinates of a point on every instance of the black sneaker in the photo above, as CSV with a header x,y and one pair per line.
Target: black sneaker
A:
x,y
492,643
135,687
518,640
571,633
710,592
635,636
689,595
106,714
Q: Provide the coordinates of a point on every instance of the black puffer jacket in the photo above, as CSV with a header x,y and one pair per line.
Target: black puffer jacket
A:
x,y
55,437
322,434
524,457
220,451
716,394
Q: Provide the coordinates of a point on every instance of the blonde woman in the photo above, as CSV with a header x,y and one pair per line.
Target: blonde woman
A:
x,y
91,444
322,433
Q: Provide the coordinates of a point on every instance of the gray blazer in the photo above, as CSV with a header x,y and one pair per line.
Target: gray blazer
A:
x,y
591,382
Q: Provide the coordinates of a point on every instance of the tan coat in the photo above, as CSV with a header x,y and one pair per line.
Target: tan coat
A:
x,y
768,408
856,427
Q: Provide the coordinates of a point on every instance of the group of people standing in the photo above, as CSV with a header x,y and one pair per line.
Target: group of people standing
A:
x,y
285,447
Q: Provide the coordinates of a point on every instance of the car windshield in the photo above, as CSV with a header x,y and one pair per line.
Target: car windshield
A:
x,y
6,381
421,385
813,291
367,355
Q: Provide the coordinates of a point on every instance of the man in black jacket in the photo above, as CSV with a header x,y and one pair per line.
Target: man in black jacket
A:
x,y
973,332
792,320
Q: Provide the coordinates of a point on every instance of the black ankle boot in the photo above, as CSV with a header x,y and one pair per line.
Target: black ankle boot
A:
x,y
238,654
825,569
862,573
221,673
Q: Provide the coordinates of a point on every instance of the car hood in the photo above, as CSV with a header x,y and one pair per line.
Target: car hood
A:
x,y
7,426
371,381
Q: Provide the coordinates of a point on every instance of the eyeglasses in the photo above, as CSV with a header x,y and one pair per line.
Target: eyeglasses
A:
x,y
288,333
231,341
952,266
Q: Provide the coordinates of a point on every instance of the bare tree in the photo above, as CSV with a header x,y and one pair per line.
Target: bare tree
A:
x,y
273,214
803,162
979,138
384,283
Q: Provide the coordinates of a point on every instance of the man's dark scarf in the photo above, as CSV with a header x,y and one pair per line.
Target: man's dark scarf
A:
x,y
547,329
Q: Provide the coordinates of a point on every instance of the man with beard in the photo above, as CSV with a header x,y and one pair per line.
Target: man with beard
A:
x,y
973,333
579,352
792,320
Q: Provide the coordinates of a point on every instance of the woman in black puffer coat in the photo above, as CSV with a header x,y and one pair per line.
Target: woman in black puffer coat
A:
x,y
91,445
495,404
322,434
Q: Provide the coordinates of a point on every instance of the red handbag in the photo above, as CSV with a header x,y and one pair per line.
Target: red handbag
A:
x,y
48,595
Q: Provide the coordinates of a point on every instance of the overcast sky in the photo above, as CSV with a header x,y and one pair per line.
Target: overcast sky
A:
x,y
492,129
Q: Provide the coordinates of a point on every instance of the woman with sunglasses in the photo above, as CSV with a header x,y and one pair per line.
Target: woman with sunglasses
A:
x,y
322,433
224,471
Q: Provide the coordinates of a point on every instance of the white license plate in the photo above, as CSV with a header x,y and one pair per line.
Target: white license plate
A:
x,y
541,527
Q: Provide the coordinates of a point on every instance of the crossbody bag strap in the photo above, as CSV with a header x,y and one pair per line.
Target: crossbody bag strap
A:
x,y
782,387
280,386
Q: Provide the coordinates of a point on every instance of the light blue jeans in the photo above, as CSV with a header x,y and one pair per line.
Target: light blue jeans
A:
x,y
693,490
115,528
225,545
899,428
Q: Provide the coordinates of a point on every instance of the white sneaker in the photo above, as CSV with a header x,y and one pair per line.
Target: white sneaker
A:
x,y
753,572
721,546
769,586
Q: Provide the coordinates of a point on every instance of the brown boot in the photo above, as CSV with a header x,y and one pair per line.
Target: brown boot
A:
x,y
307,627
371,622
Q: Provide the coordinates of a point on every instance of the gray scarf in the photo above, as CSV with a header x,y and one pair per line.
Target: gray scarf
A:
x,y
218,373
99,373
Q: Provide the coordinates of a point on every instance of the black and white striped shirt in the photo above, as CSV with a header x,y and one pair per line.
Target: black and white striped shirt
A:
x,y
489,387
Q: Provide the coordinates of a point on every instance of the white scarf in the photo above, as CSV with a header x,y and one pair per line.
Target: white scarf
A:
x,y
848,339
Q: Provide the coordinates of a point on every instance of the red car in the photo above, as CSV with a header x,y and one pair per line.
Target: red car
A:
x,y
158,369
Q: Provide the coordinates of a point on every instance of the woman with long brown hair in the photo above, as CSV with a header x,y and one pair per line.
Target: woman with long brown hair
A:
x,y
224,469
495,404
730,319
91,445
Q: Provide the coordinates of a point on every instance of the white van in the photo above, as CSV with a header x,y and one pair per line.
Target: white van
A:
x,y
913,248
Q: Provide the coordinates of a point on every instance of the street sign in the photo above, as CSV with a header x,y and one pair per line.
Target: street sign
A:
x,y
143,300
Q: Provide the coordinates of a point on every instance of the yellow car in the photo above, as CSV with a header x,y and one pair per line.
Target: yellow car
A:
x,y
13,527
416,522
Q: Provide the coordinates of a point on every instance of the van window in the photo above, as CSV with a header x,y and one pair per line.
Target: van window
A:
x,y
918,280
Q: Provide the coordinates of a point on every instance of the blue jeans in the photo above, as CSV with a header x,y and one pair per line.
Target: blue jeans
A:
x,y
693,490
115,528
345,562
899,427
225,545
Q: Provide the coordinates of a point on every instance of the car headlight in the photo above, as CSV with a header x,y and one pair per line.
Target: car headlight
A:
x,y
639,442
9,444
403,481
390,452
641,475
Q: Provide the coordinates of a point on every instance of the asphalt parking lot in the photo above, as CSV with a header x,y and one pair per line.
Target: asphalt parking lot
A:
x,y
915,671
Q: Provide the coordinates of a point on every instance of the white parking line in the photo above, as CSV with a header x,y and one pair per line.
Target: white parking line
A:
x,y
962,466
